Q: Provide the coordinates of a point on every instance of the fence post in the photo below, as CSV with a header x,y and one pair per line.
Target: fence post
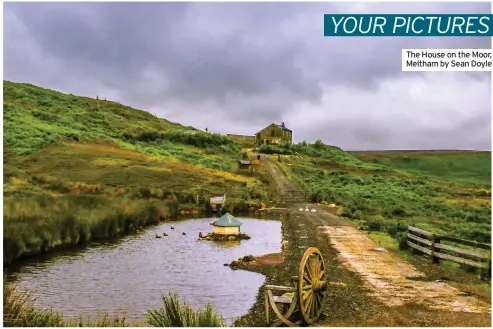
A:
x,y
488,275
436,239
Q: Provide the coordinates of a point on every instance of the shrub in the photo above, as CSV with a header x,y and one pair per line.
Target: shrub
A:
x,y
273,149
469,268
183,136
358,214
374,224
394,228
176,314
347,212
401,238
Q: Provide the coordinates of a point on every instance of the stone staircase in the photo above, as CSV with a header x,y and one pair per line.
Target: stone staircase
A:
x,y
287,191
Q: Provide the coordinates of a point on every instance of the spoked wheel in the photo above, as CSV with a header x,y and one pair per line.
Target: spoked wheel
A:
x,y
312,285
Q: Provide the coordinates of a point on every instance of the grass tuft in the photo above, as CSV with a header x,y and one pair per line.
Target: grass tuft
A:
x,y
19,311
180,314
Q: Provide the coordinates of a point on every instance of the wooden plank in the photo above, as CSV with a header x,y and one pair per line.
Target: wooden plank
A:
x,y
462,251
279,288
216,200
460,260
282,299
422,249
266,306
423,241
467,243
420,231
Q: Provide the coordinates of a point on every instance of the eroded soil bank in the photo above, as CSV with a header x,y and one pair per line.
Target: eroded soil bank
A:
x,y
351,298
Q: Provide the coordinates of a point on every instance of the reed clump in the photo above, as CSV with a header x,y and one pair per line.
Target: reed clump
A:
x,y
180,314
39,224
19,311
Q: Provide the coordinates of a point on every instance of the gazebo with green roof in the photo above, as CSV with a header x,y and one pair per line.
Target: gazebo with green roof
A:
x,y
227,225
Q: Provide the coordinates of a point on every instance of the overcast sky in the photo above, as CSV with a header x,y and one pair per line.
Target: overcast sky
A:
x,y
237,67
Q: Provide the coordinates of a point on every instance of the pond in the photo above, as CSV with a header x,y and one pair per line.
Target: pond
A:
x,y
130,276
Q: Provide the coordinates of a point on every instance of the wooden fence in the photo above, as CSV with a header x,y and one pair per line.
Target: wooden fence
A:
x,y
293,196
433,245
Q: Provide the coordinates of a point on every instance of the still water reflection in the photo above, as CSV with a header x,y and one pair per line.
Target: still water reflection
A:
x,y
130,276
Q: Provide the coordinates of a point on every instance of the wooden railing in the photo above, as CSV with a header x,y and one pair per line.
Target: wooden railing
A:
x,y
433,245
293,196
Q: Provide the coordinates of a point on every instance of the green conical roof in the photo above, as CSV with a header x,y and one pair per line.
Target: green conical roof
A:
x,y
227,220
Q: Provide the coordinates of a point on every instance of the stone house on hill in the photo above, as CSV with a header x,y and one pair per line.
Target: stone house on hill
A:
x,y
274,134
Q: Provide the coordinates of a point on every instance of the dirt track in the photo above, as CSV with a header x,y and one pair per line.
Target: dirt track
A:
x,y
393,281
368,287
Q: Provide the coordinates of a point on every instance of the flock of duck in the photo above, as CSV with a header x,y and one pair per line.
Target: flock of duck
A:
x,y
166,234
306,209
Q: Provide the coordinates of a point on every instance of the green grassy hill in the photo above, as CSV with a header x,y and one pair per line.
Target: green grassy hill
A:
x,y
473,167
77,168
445,192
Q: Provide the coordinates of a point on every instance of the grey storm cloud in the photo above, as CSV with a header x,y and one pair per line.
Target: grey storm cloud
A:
x,y
236,67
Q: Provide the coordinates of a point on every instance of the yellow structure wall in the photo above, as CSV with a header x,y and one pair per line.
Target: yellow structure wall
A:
x,y
273,134
226,230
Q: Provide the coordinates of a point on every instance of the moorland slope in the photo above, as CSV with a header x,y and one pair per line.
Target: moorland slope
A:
x,y
77,168
444,192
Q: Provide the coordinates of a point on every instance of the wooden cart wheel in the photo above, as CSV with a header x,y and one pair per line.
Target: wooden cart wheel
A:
x,y
312,285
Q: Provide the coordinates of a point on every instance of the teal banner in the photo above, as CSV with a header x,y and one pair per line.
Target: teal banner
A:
x,y
427,25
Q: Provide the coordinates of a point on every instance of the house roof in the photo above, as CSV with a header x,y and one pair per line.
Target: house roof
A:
x,y
283,127
227,220
245,162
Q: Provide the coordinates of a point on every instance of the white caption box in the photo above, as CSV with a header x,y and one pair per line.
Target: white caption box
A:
x,y
443,60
